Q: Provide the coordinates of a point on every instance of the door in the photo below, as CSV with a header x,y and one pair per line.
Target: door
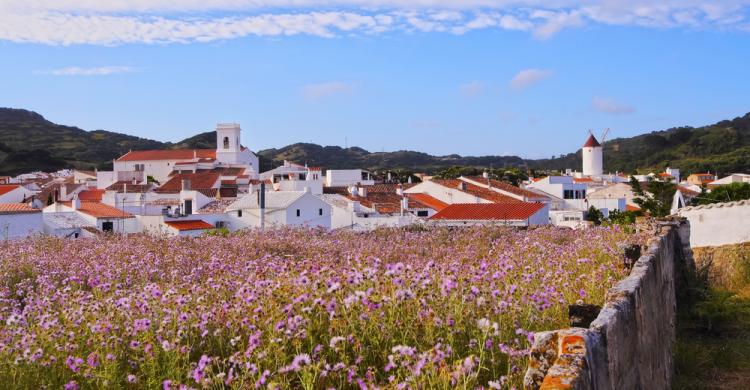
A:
x,y
188,207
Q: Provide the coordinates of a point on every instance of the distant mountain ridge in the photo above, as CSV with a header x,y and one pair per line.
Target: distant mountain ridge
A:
x,y
30,142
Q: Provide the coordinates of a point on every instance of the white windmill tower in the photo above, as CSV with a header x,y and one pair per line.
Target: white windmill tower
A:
x,y
593,158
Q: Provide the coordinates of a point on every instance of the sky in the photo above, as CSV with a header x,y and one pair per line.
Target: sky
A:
x,y
472,77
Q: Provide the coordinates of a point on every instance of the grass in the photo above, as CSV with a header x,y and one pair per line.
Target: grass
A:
x,y
713,330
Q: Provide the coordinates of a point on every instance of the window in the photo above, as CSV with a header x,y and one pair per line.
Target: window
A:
x,y
568,194
239,213
298,212
108,226
226,142
188,207
320,211
423,213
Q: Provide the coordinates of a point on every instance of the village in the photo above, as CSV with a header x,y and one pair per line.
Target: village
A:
x,y
190,192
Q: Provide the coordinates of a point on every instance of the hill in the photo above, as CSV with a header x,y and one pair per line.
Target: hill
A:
x,y
30,142
723,147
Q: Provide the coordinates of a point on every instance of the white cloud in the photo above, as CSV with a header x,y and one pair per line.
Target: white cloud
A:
x,y
77,71
528,77
115,22
323,90
473,88
611,106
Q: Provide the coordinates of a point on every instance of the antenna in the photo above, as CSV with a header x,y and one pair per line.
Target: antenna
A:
x,y
604,135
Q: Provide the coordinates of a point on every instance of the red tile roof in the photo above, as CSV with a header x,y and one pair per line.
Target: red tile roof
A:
x,y
489,211
176,154
429,201
476,190
95,195
630,207
5,188
100,210
189,225
122,186
198,181
503,186
17,208
591,142
583,180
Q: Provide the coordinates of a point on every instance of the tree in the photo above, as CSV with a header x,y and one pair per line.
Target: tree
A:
x,y
656,199
728,193
594,215
617,217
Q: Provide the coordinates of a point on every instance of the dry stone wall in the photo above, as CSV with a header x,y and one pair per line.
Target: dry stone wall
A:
x,y
629,345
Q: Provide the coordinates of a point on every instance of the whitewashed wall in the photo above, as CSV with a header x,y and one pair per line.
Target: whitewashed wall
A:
x,y
18,226
718,224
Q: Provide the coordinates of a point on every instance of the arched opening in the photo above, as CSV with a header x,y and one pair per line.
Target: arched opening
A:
x,y
226,142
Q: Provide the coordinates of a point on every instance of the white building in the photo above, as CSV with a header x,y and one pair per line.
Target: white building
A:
x,y
159,164
593,160
519,214
282,208
14,193
103,217
567,188
348,177
733,178
18,221
295,177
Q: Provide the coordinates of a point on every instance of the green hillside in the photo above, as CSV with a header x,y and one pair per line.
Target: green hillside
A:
x,y
29,142
723,147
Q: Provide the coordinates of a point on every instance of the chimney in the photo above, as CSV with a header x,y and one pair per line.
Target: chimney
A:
x,y
389,176
462,186
362,191
353,191
409,181
135,181
185,184
404,205
486,175
400,190
76,203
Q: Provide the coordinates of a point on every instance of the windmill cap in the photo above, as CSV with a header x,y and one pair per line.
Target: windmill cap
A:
x,y
591,142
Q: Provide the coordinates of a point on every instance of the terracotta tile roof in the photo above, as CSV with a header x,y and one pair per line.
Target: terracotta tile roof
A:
x,y
631,207
591,142
198,181
503,186
429,201
489,211
478,191
335,190
95,195
189,225
583,180
17,208
100,210
176,154
5,188
121,186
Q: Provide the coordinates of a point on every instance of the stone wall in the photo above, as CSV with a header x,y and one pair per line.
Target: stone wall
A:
x,y
629,345
718,224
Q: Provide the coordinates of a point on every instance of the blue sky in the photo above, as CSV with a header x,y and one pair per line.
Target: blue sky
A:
x,y
473,77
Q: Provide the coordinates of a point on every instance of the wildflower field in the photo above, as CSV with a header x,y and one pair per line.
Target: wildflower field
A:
x,y
304,309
